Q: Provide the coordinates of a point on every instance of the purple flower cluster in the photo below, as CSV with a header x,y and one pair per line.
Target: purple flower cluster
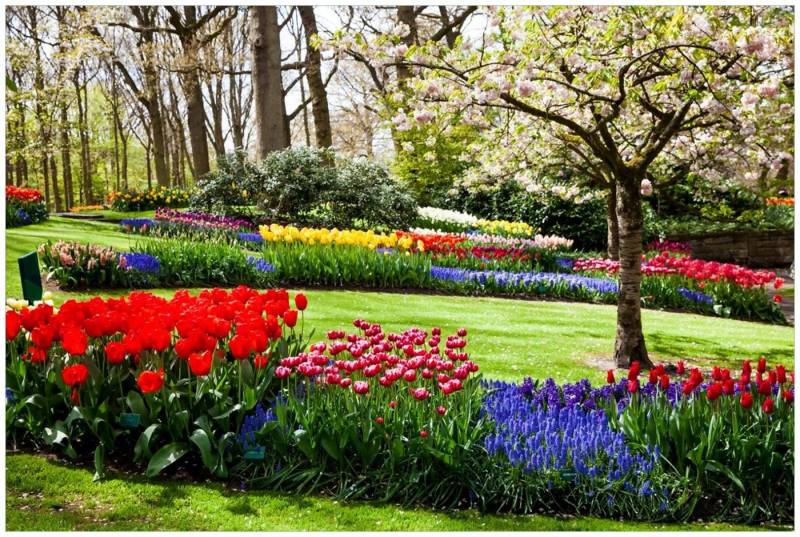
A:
x,y
696,296
199,219
136,223
140,262
539,431
255,238
526,279
260,264
252,424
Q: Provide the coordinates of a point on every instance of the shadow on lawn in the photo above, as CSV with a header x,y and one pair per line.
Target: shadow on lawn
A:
x,y
694,347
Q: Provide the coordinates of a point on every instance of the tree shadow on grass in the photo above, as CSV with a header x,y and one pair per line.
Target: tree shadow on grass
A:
x,y
694,347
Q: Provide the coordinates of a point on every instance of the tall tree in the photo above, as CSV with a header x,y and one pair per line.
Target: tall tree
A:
x,y
319,95
270,110
670,82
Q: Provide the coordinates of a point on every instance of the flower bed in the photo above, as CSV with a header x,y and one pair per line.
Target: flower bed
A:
x,y
24,206
225,380
718,288
150,378
323,236
135,200
455,222
86,208
166,262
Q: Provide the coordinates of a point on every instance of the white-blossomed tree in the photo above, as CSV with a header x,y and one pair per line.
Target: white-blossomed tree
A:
x,y
621,92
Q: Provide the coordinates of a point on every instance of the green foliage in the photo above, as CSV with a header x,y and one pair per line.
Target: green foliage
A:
x,y
229,186
429,161
739,462
339,266
327,439
291,182
365,192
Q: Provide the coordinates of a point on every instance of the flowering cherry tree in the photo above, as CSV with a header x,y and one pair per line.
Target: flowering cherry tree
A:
x,y
623,91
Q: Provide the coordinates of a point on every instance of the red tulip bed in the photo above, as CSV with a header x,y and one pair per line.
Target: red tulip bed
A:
x,y
226,384
723,288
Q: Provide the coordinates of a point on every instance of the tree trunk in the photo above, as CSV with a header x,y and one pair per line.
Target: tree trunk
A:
x,y
54,177
319,95
46,179
270,110
612,222
630,343
406,14
156,125
66,163
124,163
196,116
86,163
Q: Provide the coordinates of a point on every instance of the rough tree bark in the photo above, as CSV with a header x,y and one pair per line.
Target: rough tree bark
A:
x,y
613,223
66,159
630,343
83,133
319,95
270,110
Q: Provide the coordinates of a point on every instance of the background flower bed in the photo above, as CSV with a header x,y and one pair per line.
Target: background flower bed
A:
x,y
597,455
24,206
135,200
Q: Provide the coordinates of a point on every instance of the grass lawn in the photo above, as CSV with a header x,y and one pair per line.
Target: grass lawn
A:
x,y
510,339
48,496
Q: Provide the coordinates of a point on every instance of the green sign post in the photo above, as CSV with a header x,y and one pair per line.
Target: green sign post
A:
x,y
31,279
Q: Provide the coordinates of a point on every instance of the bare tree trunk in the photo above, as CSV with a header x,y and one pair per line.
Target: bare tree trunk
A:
x,y
612,222
406,15
83,132
156,125
66,164
54,177
124,160
319,95
46,179
630,345
270,111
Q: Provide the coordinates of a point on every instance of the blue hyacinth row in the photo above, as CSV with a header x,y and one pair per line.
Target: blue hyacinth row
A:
x,y
525,279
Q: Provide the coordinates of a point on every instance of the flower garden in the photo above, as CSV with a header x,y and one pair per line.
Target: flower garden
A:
x,y
229,381
443,268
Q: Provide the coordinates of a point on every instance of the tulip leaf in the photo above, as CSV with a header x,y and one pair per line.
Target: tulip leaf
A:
x,y
99,463
200,439
165,457
142,448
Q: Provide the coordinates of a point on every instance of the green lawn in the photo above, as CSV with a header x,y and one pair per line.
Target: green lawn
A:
x,y
510,339
48,496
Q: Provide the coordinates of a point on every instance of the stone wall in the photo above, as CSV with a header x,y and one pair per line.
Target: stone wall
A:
x,y
757,249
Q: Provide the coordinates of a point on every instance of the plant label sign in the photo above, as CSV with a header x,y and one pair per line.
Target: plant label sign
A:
x,y
129,420
255,454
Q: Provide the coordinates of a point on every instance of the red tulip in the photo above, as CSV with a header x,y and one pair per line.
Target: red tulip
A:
x,y
714,391
200,364
441,410
300,301
664,382
788,396
728,387
610,377
74,341
768,405
35,355
260,361
379,420
681,367
360,387
462,332
150,381
13,324
633,386
746,400
392,404
42,336
780,373
410,375
115,352
764,387
290,318
423,434
75,375
746,369
762,365
778,299
241,346
653,376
